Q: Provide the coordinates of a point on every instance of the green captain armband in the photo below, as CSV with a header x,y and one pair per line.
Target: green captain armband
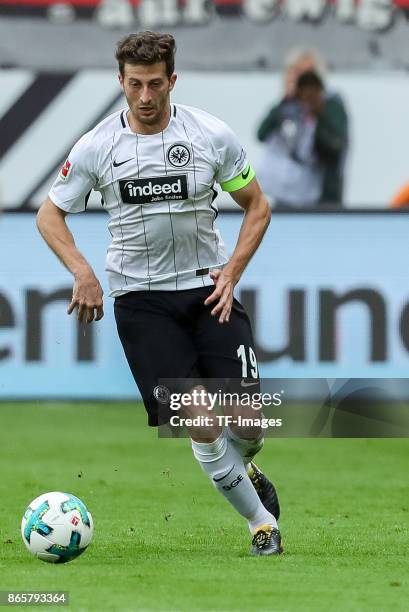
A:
x,y
240,181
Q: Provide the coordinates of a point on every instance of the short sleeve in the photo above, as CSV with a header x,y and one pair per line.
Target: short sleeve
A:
x,y
234,169
76,178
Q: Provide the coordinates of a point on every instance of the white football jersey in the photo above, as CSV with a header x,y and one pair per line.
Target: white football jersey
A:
x,y
158,190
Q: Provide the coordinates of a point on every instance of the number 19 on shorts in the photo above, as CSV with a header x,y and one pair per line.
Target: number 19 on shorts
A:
x,y
248,358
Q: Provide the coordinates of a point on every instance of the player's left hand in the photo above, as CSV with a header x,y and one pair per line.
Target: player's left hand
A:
x,y
223,293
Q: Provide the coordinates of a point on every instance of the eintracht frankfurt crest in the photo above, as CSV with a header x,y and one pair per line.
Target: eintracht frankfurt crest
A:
x,y
178,155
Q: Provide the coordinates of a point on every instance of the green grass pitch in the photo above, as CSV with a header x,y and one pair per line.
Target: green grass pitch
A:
x,y
165,540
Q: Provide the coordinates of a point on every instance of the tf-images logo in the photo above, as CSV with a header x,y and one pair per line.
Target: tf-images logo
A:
x,y
154,189
178,155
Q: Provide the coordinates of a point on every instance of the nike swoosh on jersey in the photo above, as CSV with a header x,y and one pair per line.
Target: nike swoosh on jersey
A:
x,y
116,164
244,175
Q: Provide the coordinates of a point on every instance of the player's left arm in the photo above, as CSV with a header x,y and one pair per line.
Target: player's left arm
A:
x,y
257,216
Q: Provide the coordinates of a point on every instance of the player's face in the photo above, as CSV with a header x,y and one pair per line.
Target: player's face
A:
x,y
147,90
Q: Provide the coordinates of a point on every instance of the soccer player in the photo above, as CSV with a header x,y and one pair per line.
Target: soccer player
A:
x,y
155,165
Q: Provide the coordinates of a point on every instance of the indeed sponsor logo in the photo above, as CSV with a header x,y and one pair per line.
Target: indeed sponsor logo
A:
x,y
154,189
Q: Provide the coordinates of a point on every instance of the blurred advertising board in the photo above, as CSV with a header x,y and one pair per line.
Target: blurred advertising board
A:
x,y
370,15
327,293
33,103
211,33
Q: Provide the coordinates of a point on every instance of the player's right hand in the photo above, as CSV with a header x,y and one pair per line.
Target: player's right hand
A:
x,y
87,298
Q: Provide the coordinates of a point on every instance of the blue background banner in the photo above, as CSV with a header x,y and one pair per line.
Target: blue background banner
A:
x,y
328,295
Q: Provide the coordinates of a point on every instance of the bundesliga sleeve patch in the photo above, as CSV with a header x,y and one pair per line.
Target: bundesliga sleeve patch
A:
x,y
240,181
65,171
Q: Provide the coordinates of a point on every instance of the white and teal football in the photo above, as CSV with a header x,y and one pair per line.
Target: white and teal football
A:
x,y
57,527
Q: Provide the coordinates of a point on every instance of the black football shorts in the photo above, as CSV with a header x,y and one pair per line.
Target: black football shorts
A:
x,y
172,335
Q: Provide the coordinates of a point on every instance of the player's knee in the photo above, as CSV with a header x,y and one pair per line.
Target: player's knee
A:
x,y
205,434
247,431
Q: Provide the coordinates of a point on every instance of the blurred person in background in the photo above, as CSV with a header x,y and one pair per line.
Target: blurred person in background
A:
x,y
306,137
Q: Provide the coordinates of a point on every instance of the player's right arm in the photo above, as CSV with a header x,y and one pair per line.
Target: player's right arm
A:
x,y
87,291
69,194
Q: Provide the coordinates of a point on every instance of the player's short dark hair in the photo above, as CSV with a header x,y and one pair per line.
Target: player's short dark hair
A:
x,y
147,48
310,78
